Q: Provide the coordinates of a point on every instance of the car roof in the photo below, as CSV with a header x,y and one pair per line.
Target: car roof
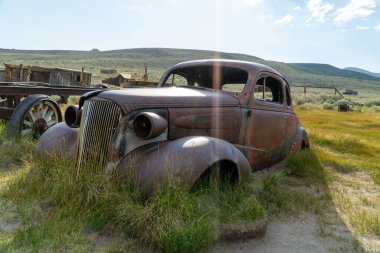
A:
x,y
251,67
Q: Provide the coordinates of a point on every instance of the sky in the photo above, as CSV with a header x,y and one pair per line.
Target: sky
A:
x,y
343,33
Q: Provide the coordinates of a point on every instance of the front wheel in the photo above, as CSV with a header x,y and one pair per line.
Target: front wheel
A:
x,y
33,116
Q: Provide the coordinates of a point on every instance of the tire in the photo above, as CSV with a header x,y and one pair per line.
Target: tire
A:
x,y
33,116
305,141
218,176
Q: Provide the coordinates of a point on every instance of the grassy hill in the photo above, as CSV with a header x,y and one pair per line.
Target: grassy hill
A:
x,y
363,71
325,69
159,59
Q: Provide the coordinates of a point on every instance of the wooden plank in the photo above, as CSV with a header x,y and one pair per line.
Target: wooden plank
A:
x,y
5,113
21,73
28,72
337,91
6,90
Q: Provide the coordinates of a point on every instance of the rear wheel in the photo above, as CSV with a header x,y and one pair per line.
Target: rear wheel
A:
x,y
305,142
33,116
218,176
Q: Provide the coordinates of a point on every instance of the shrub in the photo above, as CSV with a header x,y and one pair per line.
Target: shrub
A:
x,y
305,164
279,199
174,220
328,106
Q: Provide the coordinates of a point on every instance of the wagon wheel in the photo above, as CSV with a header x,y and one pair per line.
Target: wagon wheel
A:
x,y
33,116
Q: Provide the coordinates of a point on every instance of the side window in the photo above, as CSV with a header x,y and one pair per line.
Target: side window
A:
x,y
233,87
269,89
176,80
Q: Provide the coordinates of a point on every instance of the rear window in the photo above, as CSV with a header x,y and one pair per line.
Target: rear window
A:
x,y
269,89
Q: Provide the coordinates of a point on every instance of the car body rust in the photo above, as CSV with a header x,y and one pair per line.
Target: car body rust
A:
x,y
232,113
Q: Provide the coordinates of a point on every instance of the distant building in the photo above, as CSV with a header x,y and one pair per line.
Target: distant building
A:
x,y
129,79
54,76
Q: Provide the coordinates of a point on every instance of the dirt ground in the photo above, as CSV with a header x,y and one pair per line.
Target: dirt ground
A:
x,y
302,234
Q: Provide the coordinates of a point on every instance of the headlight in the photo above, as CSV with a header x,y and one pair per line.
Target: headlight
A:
x,y
148,125
73,116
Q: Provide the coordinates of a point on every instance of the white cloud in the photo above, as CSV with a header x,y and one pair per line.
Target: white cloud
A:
x,y
285,20
319,10
252,2
297,8
377,27
355,9
359,27
140,7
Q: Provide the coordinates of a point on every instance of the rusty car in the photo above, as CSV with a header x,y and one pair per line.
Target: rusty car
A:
x,y
234,114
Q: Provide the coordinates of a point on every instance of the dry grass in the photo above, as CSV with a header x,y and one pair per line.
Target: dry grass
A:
x,y
45,209
347,145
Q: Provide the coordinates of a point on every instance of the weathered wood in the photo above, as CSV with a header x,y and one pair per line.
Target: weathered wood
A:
x,y
81,77
57,76
337,91
6,113
21,73
52,90
318,87
7,73
28,74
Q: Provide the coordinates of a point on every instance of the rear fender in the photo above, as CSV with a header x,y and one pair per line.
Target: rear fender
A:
x,y
186,159
301,140
58,140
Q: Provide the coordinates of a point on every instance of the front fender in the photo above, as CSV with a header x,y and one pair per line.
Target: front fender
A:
x,y
58,140
186,158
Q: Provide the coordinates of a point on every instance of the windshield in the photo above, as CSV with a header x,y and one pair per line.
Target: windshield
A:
x,y
221,78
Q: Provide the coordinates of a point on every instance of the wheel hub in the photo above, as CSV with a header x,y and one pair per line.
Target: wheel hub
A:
x,y
40,125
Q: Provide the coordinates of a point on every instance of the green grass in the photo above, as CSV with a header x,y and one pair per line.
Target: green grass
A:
x,y
3,130
56,211
347,146
240,204
280,199
173,220
305,164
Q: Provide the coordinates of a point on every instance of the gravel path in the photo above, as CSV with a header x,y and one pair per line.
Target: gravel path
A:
x,y
293,235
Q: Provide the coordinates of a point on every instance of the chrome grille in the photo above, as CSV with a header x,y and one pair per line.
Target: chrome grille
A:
x,y
98,123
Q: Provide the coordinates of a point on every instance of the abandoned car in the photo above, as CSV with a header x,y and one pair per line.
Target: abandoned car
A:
x,y
236,114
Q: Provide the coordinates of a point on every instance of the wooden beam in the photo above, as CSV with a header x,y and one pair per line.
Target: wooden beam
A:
x,y
6,113
337,91
7,73
82,77
21,73
28,72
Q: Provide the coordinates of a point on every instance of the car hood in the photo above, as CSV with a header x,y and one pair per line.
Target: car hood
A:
x,y
131,99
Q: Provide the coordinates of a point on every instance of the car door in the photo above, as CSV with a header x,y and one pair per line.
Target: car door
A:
x,y
266,122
